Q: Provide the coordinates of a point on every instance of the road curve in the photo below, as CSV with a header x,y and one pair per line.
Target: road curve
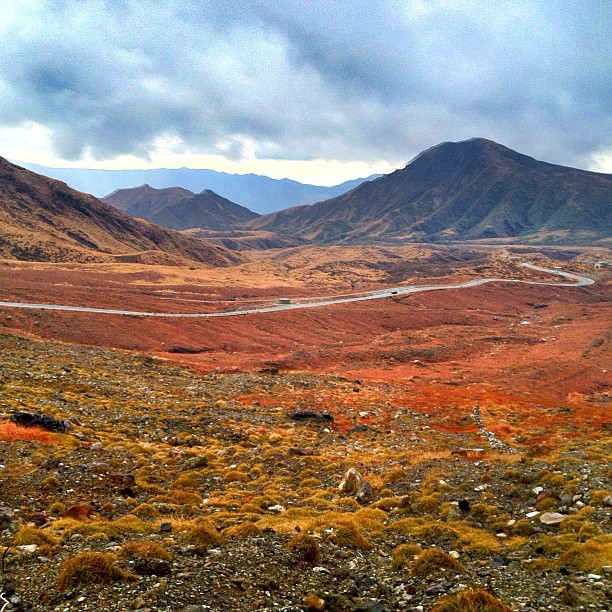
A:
x,y
315,302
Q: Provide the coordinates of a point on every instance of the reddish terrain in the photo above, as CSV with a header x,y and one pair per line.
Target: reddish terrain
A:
x,y
529,349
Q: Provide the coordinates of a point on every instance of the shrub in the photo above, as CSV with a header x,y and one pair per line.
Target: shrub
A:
x,y
89,568
470,600
305,546
432,560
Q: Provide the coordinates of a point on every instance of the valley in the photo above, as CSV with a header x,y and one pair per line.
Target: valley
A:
x,y
384,421
186,465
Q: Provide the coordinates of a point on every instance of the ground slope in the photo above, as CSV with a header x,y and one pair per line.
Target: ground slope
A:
x,y
42,219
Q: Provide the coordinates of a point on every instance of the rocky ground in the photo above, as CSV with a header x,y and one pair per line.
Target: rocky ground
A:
x,y
221,491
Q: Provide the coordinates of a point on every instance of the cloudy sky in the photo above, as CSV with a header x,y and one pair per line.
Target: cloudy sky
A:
x,y
316,90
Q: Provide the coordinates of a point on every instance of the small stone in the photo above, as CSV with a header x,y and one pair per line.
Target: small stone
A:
x,y
532,514
165,527
372,605
437,589
552,518
351,481
314,603
607,500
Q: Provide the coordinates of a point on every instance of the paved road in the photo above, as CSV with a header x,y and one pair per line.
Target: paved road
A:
x,y
315,302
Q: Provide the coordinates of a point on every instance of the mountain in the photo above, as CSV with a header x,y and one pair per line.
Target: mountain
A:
x,y
42,219
258,193
180,209
469,190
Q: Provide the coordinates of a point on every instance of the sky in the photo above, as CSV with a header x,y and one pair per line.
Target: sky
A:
x,y
320,91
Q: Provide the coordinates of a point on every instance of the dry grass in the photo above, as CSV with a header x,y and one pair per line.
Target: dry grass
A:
x,y
89,568
305,546
470,600
432,560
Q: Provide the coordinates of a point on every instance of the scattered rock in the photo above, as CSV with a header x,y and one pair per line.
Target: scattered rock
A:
x,y
552,518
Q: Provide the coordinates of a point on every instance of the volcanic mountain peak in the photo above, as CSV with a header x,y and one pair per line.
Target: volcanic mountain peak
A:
x,y
473,189
178,208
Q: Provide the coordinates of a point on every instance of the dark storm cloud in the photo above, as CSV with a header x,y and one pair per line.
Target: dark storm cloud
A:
x,y
300,80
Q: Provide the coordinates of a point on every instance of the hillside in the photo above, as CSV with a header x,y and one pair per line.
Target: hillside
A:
x,y
470,190
261,194
42,219
180,209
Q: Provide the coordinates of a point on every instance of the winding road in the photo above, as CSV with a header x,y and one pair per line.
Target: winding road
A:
x,y
315,302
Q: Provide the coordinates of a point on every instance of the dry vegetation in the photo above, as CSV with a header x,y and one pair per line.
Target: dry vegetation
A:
x,y
194,484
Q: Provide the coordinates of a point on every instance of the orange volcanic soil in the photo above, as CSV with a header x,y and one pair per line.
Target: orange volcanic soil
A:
x,y
522,350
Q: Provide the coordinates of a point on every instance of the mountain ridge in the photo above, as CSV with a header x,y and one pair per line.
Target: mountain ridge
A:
x,y
42,219
468,190
180,209
259,193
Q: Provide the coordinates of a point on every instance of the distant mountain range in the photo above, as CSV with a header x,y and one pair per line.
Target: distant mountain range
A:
x,y
42,219
470,190
474,190
180,209
260,194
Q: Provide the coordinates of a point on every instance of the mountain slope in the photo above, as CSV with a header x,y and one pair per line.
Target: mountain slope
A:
x,y
259,193
42,219
474,189
180,209
142,201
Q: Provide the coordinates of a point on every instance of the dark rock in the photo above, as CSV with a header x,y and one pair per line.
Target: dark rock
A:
x,y
43,421
317,417
165,527
499,561
151,567
464,505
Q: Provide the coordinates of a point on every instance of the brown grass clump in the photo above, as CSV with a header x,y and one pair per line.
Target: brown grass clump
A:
x,y
144,550
243,530
179,498
346,534
203,533
79,512
31,535
404,555
305,546
591,555
145,511
88,568
471,600
432,560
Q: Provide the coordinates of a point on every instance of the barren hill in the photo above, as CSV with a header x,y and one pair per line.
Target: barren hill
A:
x,y
469,190
180,209
42,219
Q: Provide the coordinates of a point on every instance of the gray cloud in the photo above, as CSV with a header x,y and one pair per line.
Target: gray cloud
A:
x,y
300,80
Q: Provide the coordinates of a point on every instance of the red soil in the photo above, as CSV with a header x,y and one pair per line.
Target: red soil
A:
x,y
527,349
